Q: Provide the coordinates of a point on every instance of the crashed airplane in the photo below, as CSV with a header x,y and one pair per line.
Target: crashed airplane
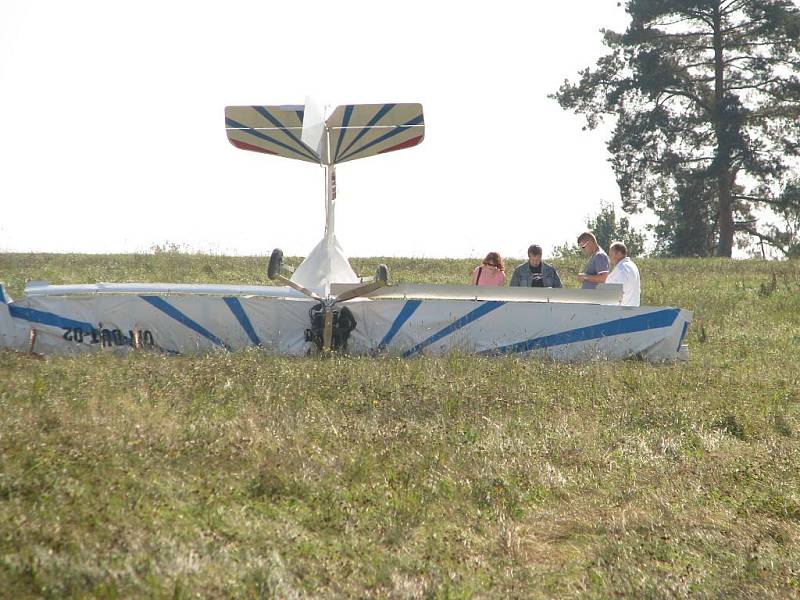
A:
x,y
323,306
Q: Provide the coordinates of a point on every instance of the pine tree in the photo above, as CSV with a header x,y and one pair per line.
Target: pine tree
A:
x,y
705,98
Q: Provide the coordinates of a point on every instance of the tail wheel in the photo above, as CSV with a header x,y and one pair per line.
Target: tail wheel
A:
x,y
275,262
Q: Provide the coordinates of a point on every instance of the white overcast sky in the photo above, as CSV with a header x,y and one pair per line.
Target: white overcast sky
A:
x,y
112,129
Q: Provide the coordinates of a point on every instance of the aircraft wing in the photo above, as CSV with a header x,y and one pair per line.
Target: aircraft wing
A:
x,y
35,289
605,294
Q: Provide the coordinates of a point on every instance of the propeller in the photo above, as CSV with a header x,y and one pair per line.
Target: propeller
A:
x,y
370,284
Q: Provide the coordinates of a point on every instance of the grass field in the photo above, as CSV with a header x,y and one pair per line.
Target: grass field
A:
x,y
246,475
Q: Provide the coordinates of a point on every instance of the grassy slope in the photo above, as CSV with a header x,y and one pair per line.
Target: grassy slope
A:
x,y
254,476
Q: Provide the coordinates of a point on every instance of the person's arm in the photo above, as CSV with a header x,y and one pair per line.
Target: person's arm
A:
x,y
475,276
599,278
514,279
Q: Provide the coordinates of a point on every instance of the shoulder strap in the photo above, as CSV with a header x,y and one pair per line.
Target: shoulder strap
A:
x,y
478,278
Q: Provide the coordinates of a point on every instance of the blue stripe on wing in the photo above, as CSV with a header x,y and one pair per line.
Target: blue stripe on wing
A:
x,y
405,313
484,309
653,320
47,318
171,311
238,311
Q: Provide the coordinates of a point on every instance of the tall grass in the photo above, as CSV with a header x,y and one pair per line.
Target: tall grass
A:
x,y
246,475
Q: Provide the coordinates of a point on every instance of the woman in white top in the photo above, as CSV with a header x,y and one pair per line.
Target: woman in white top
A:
x,y
626,273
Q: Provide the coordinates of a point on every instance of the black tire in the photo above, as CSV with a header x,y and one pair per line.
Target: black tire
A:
x,y
382,274
275,262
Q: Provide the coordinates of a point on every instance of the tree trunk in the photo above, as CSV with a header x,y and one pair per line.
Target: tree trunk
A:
x,y
722,161
725,216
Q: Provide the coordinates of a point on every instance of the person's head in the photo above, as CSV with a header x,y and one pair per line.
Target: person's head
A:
x,y
588,243
535,255
617,251
493,259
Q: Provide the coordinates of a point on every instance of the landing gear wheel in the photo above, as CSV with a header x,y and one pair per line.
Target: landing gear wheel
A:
x,y
275,262
382,274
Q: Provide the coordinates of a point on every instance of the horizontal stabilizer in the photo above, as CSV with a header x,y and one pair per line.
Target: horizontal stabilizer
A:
x,y
351,131
269,129
361,130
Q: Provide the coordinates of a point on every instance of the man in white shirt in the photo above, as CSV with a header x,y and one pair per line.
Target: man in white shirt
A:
x,y
626,273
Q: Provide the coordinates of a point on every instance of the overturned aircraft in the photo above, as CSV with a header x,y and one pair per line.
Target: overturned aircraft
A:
x,y
323,305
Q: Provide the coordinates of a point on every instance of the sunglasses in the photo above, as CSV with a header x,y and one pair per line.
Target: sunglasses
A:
x,y
583,245
492,265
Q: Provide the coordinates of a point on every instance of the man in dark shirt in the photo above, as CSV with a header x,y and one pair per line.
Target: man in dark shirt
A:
x,y
535,272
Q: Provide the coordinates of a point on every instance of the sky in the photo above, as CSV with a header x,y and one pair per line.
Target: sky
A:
x,y
112,131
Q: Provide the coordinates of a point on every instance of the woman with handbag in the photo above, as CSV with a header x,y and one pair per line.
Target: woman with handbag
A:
x,y
492,271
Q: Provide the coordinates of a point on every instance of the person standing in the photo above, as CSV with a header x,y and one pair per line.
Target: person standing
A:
x,y
535,272
626,273
597,268
492,271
